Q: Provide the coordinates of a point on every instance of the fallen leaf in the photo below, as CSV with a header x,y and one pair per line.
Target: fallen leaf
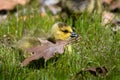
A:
x,y
97,70
10,4
115,25
115,5
107,17
107,1
46,50
116,22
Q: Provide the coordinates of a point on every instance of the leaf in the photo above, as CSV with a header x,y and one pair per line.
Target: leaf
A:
x,y
94,71
116,22
10,4
46,50
115,5
107,17
107,1
97,70
116,25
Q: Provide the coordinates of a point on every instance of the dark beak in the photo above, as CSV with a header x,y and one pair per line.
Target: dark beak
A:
x,y
74,35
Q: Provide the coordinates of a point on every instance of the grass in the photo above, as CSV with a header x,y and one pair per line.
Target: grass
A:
x,y
97,47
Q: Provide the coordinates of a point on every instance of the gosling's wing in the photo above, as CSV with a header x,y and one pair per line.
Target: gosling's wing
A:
x,y
30,38
37,32
26,42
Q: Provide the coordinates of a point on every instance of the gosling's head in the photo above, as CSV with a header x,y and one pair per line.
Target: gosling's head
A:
x,y
62,31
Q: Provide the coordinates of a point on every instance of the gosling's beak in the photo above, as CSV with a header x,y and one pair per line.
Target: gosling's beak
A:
x,y
74,35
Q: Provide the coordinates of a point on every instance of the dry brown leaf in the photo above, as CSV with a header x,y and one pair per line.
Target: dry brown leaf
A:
x,y
94,71
97,70
115,5
107,17
116,22
115,25
107,1
10,4
47,50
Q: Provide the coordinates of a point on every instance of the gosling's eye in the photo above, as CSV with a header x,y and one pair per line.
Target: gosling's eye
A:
x,y
65,31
